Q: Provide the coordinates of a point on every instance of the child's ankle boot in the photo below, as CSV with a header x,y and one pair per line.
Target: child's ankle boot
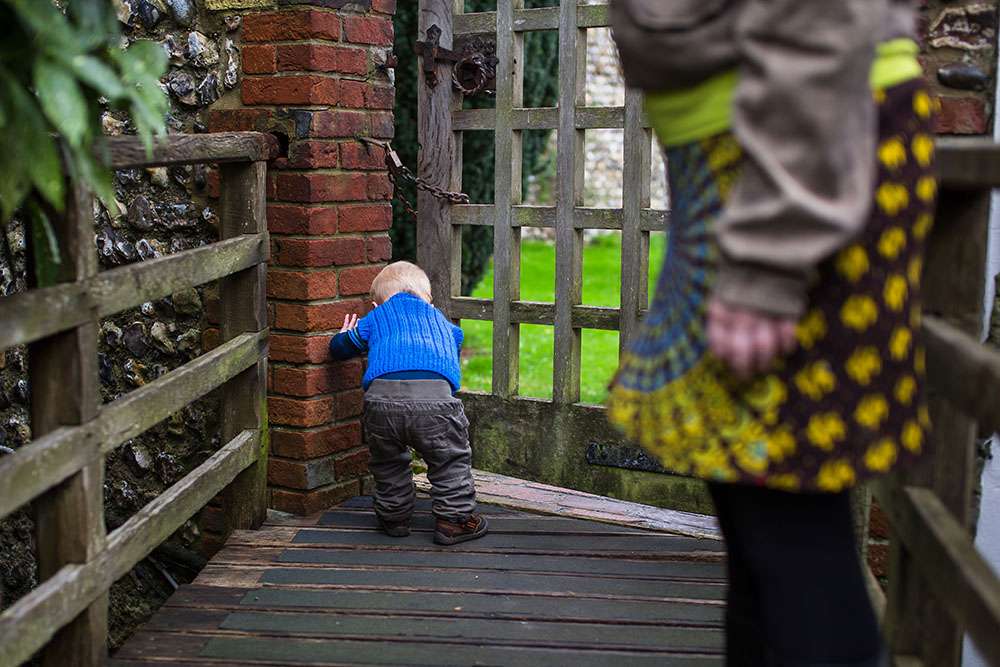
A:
x,y
394,528
448,532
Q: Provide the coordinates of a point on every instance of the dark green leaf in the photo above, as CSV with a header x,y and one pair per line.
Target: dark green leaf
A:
x,y
142,61
93,72
63,102
51,29
43,166
96,177
44,247
95,20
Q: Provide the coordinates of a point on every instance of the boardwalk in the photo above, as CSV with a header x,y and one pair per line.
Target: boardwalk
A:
x,y
539,590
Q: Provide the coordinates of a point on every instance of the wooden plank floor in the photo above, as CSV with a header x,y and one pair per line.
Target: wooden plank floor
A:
x,y
332,589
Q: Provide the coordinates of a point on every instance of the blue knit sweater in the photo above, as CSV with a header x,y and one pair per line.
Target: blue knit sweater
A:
x,y
403,334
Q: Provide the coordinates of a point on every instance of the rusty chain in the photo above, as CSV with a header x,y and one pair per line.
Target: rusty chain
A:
x,y
398,170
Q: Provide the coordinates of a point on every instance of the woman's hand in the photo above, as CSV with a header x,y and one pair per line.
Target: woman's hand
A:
x,y
748,340
350,322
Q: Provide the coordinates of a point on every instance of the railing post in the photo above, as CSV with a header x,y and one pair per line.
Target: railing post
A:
x,y
65,391
243,309
952,286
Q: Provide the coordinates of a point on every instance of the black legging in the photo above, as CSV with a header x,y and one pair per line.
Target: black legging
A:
x,y
796,592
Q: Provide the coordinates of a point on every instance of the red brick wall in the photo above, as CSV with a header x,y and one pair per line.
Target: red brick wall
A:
x,y
308,73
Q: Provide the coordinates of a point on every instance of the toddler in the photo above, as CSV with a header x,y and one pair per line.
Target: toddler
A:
x,y
412,373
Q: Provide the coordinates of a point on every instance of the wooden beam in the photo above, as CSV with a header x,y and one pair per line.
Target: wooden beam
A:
x,y
968,162
242,298
950,565
55,456
528,20
964,371
952,287
69,517
29,316
507,193
569,194
33,620
637,156
127,152
434,159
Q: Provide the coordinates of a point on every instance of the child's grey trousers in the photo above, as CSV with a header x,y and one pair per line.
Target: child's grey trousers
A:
x,y
422,414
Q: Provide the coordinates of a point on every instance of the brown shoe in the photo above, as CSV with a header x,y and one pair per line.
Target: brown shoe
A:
x,y
394,528
447,532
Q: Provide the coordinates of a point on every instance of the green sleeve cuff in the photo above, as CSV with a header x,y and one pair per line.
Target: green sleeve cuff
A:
x,y
688,114
895,63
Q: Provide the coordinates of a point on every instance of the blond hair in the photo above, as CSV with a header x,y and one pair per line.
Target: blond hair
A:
x,y
401,277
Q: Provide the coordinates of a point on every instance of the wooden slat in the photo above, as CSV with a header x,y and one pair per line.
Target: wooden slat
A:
x,y
53,457
956,573
69,517
952,288
597,118
525,20
506,237
966,372
29,316
569,194
635,198
127,152
605,318
32,621
968,163
545,118
243,311
584,217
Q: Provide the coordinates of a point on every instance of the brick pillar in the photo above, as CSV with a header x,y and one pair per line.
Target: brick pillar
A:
x,y
309,76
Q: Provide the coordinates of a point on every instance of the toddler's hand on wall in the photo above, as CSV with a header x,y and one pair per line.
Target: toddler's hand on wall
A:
x,y
350,322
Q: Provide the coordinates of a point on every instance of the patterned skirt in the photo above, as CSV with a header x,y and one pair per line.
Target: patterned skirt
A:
x,y
849,402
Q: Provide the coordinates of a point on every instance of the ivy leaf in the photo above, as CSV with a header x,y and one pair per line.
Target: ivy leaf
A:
x,y
44,166
143,61
44,247
63,102
97,75
49,25
95,19
97,177
13,147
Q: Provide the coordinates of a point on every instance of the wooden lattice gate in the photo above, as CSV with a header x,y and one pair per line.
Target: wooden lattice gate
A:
x,y
560,441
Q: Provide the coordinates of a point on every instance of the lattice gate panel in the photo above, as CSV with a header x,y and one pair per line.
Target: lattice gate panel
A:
x,y
543,440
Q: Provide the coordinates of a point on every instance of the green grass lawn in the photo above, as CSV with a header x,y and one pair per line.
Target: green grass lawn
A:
x,y
599,349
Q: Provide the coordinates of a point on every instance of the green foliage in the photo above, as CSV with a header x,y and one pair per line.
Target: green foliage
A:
x,y
540,90
56,67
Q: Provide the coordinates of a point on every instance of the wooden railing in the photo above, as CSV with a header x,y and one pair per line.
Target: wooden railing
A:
x,y
62,470
939,585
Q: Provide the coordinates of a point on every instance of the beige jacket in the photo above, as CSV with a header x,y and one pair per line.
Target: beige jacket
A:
x,y
805,118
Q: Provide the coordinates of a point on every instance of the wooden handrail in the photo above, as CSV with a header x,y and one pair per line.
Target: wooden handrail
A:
x,y
955,572
31,622
127,152
29,316
60,470
965,371
49,460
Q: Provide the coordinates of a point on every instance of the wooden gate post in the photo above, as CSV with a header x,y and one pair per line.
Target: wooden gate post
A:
x,y
916,623
65,391
439,245
243,195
